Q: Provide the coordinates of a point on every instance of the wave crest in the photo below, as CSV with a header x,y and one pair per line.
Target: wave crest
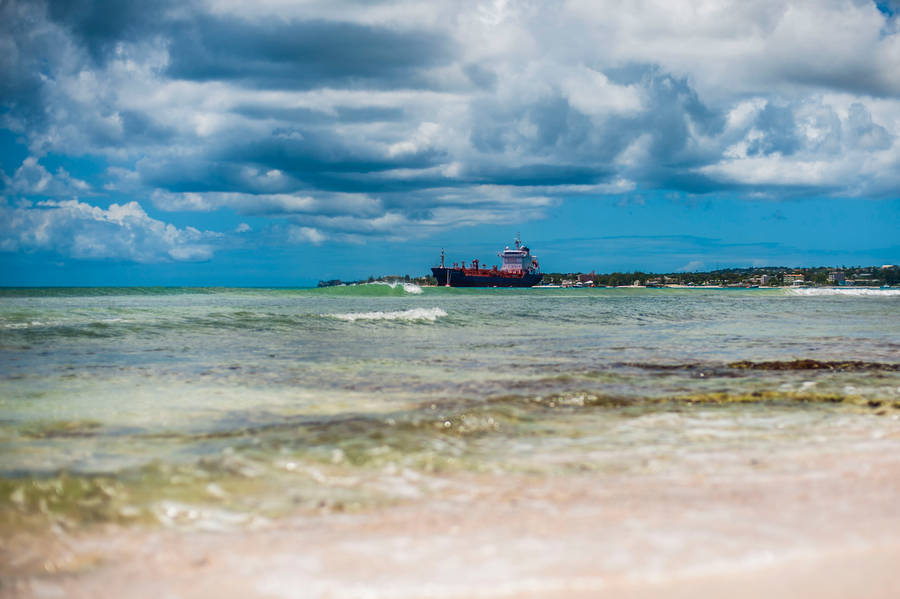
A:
x,y
429,314
373,289
809,291
405,286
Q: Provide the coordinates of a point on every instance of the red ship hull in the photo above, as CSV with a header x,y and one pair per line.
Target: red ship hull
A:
x,y
482,277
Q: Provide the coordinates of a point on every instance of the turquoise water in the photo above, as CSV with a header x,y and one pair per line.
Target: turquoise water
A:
x,y
122,403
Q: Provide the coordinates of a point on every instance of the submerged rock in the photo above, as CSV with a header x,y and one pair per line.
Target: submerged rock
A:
x,y
808,364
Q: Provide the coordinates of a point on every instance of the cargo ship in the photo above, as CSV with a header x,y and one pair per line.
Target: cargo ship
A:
x,y
517,269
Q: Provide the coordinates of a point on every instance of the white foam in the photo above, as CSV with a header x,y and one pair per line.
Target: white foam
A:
x,y
850,292
34,324
59,323
22,325
407,287
430,314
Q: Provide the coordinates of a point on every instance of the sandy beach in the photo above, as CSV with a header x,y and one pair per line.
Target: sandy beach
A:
x,y
805,522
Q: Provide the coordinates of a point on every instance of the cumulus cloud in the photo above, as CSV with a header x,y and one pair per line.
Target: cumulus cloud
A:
x,y
31,178
305,235
80,230
692,266
395,118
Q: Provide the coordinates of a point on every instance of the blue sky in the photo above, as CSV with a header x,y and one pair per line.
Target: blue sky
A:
x,y
219,142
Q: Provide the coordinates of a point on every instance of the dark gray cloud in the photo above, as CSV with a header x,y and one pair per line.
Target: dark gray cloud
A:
x,y
674,116
578,149
778,132
28,57
98,25
865,134
304,54
542,175
298,151
481,75
310,117
555,128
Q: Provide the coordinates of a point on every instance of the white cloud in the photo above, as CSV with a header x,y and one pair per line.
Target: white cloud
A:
x,y
31,178
774,170
692,266
280,204
424,137
305,235
83,231
592,93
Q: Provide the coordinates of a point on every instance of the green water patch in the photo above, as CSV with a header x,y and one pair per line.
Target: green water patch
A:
x,y
41,292
322,463
353,462
233,489
63,499
417,437
375,289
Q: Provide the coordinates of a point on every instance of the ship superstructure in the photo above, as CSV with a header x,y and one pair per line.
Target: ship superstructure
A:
x,y
518,268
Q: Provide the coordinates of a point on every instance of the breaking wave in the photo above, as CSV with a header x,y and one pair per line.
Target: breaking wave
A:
x,y
429,314
374,289
70,322
407,287
807,291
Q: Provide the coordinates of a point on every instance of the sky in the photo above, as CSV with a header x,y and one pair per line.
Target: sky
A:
x,y
276,142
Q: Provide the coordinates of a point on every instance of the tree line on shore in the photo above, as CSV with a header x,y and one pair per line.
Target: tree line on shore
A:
x,y
768,276
764,276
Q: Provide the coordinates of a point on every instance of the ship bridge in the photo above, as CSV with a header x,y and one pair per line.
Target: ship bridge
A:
x,y
518,260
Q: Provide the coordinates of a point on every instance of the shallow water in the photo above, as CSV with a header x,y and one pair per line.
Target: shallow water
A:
x,y
216,407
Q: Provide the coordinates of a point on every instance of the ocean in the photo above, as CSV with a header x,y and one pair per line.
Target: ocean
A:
x,y
190,412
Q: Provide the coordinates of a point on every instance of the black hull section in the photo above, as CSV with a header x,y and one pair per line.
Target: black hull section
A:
x,y
455,277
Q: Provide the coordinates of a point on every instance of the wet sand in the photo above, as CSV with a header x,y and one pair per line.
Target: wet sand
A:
x,y
806,522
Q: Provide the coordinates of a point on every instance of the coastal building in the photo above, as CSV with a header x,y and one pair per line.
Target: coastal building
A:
x,y
836,277
793,278
865,279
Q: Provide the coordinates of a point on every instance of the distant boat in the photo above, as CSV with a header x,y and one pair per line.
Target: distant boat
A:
x,y
518,269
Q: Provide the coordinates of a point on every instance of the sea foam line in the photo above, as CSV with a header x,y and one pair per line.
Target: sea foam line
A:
x,y
807,291
61,323
430,314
